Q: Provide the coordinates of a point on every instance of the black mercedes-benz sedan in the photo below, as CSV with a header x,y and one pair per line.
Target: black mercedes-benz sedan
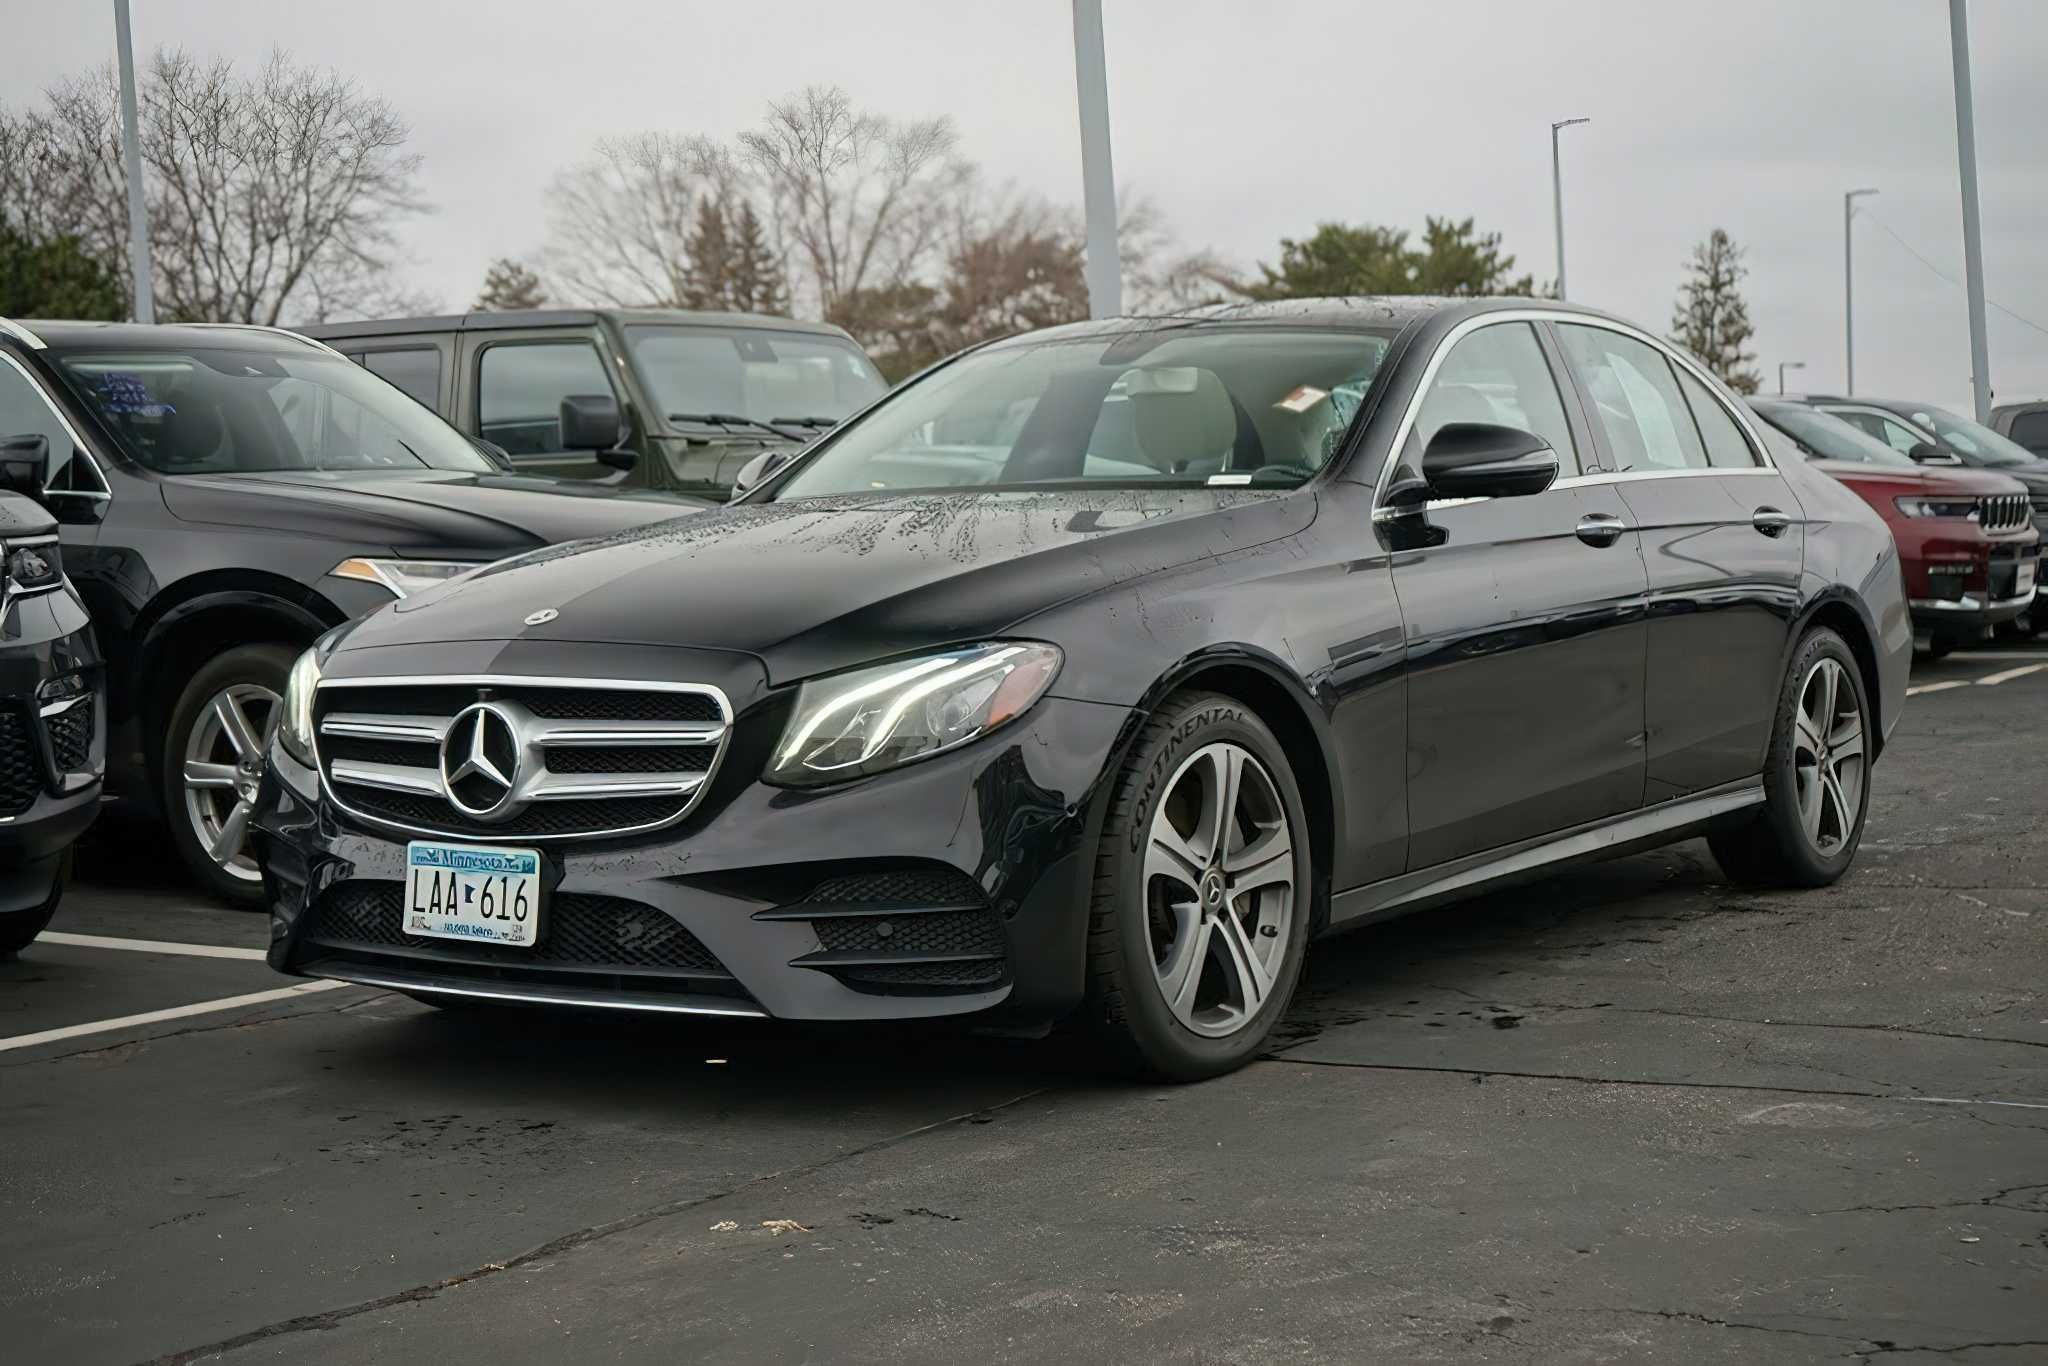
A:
x,y
1098,671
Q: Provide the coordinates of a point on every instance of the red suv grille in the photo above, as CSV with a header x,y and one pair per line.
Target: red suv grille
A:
x,y
2003,512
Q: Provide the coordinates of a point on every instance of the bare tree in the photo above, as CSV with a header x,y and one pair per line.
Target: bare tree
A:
x,y
1160,275
619,223
858,202
270,194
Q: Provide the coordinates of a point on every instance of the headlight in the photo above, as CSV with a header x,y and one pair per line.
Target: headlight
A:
x,y
404,577
32,568
1958,508
295,730
854,724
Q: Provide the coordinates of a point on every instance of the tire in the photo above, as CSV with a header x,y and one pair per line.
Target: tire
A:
x,y
18,929
207,807
1939,647
1163,912
1808,831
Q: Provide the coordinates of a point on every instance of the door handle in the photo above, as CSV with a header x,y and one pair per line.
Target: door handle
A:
x,y
1600,528
1770,521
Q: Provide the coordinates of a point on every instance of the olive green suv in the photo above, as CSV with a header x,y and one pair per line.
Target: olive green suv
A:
x,y
662,398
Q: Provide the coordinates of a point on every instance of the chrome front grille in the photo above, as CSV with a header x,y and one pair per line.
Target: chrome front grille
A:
x,y
2003,512
505,757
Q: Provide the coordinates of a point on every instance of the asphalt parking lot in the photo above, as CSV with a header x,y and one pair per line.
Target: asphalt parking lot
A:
x,y
1626,1114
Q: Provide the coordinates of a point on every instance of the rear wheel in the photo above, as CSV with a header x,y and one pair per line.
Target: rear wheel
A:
x,y
1202,893
212,761
1816,776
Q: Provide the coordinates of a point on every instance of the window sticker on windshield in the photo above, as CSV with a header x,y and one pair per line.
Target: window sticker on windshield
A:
x,y
1303,399
122,392
1229,479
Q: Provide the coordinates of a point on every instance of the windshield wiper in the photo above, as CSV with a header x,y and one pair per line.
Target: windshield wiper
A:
x,y
808,421
736,420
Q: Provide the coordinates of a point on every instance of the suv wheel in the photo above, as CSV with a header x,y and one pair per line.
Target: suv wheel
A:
x,y
1202,893
213,760
1816,776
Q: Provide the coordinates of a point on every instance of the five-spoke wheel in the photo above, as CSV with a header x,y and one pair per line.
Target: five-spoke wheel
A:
x,y
212,764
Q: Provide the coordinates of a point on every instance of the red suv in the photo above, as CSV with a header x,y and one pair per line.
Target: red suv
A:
x,y
1966,537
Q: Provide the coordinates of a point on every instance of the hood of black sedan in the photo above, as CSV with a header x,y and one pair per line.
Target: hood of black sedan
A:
x,y
430,511
822,584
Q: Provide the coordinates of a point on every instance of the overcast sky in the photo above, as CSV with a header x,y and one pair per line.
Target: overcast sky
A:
x,y
1249,121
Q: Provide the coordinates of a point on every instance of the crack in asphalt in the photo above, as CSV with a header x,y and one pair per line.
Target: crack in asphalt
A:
x,y
582,1237
1995,1200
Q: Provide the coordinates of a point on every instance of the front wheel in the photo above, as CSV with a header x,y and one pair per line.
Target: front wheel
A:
x,y
212,761
1203,891
1816,776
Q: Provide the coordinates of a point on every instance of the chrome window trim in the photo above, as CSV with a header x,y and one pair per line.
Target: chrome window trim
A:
x,y
695,794
105,492
1466,328
22,335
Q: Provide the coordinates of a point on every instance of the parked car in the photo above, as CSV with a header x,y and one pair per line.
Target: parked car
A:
x,y
1970,554
52,707
1368,605
702,393
2023,424
1935,435
225,495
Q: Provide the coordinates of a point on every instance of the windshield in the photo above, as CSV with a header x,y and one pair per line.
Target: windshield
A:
x,y
699,374
1176,405
196,410
1979,444
1825,437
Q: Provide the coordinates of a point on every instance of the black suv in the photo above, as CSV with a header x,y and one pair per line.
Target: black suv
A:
x,y
52,746
225,494
702,393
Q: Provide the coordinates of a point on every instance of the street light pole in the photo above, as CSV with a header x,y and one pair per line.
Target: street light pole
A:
x,y
131,152
1973,236
1100,267
1785,365
1849,292
1557,196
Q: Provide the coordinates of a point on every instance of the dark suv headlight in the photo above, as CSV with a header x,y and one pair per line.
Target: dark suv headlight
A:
x,y
852,724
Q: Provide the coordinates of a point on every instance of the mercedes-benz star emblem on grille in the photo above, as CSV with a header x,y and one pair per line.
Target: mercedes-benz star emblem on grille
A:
x,y
542,617
480,761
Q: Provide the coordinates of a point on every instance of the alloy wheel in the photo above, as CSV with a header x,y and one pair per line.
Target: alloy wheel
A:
x,y
223,766
1219,888
1829,768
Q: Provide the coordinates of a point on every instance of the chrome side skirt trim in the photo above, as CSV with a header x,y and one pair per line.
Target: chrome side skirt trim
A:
x,y
396,980
1600,839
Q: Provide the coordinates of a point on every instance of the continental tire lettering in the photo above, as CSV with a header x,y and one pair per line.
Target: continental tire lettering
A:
x,y
1162,763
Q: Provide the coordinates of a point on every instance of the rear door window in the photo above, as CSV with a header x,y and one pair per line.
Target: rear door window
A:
x,y
1635,399
1727,447
415,369
520,388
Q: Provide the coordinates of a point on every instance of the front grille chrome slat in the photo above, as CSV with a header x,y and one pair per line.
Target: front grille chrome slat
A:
x,y
2003,512
626,757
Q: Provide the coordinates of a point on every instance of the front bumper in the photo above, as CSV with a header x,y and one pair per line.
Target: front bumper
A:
x,y
53,748
1966,589
955,886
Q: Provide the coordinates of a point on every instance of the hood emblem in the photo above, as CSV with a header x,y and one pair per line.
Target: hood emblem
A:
x,y
542,617
481,758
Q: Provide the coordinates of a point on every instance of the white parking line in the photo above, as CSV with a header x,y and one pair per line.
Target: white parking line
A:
x,y
101,941
1938,687
254,998
1992,680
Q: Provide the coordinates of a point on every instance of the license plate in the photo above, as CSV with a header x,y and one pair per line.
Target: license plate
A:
x,y
473,892
2025,582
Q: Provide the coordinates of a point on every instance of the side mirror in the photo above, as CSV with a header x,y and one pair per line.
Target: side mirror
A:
x,y
25,464
1927,453
591,422
1482,460
756,471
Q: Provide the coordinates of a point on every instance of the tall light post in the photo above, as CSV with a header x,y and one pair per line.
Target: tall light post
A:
x,y
1849,291
1557,196
1100,267
1973,236
131,152
1785,365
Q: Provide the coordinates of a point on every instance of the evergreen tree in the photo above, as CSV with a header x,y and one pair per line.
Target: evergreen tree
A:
x,y
55,278
509,285
707,277
758,282
1711,320
731,267
1453,258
